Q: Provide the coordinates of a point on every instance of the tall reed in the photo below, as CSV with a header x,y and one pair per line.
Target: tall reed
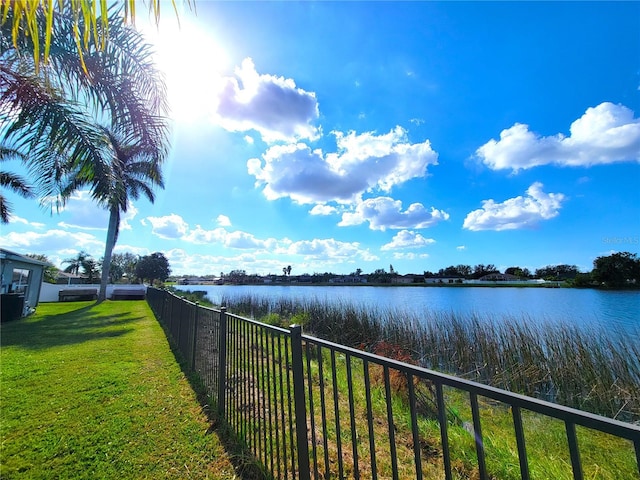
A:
x,y
588,369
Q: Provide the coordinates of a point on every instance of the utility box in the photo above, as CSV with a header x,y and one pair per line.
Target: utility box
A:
x,y
11,306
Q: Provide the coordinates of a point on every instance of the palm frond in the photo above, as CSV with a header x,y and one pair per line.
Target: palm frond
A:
x,y
15,183
5,209
91,24
58,135
11,181
7,153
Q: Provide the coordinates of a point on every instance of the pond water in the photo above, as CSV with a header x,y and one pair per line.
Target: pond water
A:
x,y
615,311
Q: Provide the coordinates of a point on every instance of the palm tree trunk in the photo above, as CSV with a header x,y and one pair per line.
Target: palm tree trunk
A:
x,y
112,236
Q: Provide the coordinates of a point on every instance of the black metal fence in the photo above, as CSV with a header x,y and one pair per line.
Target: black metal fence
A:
x,y
308,408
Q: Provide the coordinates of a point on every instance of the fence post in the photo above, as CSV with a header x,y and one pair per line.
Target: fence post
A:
x,y
170,322
297,367
222,361
165,303
195,337
178,337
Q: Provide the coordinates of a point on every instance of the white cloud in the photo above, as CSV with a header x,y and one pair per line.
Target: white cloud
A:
x,y
407,239
605,134
271,105
330,249
410,256
127,217
169,227
323,210
24,221
362,163
174,227
516,213
131,249
243,240
304,256
461,248
82,212
52,241
385,212
183,263
201,236
223,221
237,239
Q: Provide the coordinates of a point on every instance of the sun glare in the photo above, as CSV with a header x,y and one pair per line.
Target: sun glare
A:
x,y
193,64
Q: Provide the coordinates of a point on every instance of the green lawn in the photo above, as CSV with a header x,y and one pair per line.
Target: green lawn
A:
x,y
94,391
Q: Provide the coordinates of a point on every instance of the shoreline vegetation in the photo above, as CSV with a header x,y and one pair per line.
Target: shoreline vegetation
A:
x,y
583,369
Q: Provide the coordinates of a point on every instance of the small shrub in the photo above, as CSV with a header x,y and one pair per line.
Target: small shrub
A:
x,y
194,296
398,381
300,318
272,319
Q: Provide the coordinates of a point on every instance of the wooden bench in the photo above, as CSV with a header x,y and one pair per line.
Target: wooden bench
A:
x,y
76,294
129,293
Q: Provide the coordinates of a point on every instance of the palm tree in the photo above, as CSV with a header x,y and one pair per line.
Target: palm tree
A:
x,y
51,112
58,114
90,269
133,169
75,263
11,181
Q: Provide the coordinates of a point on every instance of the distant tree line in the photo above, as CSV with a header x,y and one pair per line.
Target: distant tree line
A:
x,y
618,270
550,272
613,271
124,268
467,271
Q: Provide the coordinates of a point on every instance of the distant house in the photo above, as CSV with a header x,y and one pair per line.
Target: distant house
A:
x,y
303,279
199,281
64,278
443,280
403,279
348,279
499,277
21,282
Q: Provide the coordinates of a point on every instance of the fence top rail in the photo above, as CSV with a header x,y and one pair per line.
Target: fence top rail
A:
x,y
272,328
626,430
178,297
266,326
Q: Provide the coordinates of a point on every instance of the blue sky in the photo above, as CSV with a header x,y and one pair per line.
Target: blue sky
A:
x,y
333,136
